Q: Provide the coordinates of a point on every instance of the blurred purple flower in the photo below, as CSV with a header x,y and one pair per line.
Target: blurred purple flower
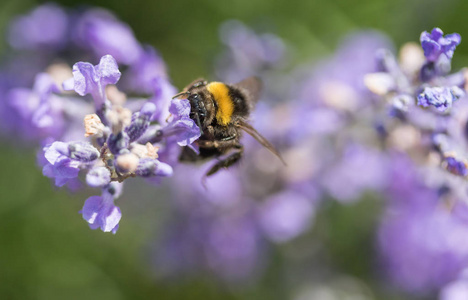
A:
x,y
359,169
44,28
97,30
456,290
422,242
285,215
40,111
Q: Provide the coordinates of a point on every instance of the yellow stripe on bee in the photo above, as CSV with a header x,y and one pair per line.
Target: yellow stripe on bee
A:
x,y
220,93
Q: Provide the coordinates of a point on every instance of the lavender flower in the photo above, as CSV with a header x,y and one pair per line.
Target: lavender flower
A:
x,y
440,97
100,211
89,79
60,166
436,44
181,126
116,152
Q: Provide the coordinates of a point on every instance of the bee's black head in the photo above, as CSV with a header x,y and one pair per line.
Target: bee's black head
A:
x,y
197,110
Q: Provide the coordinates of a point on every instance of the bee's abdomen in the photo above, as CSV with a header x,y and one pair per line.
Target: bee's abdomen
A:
x,y
239,100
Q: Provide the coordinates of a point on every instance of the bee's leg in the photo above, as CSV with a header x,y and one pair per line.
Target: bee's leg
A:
x,y
227,161
224,143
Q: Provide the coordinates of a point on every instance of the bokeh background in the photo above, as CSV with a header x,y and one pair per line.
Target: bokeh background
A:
x,y
48,252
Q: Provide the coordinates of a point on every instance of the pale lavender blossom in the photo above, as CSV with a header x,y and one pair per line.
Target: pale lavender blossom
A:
x,y
89,79
101,212
181,126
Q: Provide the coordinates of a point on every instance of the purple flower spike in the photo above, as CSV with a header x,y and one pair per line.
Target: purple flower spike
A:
x,y
435,44
181,126
440,97
148,167
98,177
140,121
89,79
100,212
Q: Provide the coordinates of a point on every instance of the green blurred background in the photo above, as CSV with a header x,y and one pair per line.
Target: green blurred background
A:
x,y
48,252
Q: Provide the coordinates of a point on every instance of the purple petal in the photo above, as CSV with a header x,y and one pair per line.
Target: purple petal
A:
x,y
108,70
85,78
100,212
180,108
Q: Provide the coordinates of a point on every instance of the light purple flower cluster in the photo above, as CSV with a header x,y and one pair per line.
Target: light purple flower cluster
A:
x,y
421,237
110,138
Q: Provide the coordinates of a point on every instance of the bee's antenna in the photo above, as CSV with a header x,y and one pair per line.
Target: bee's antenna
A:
x,y
181,94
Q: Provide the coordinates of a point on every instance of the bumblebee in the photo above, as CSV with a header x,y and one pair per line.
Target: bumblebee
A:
x,y
221,111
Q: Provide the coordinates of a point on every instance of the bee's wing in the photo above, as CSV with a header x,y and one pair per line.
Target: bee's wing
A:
x,y
261,139
253,86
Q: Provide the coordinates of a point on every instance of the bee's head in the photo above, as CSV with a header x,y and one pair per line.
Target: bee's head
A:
x,y
201,110
197,109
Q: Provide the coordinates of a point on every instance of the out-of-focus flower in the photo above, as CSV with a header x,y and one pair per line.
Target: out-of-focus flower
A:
x,y
44,28
286,215
456,290
97,30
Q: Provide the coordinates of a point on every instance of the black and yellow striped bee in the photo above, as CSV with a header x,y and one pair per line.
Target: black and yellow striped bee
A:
x,y
221,111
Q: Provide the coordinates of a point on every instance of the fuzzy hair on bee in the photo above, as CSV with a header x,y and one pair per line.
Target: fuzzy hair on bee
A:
x,y
221,111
